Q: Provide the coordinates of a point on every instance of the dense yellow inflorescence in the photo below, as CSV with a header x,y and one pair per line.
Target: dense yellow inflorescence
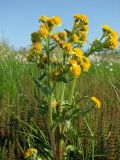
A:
x,y
111,41
69,42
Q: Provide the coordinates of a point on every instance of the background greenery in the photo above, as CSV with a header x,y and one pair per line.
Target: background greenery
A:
x,y
17,100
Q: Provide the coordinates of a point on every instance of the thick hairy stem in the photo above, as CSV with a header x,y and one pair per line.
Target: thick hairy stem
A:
x,y
50,97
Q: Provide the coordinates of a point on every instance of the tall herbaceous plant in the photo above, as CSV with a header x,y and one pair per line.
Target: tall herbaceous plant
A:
x,y
61,62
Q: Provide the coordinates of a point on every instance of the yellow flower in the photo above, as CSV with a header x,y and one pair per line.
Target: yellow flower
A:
x,y
73,62
50,22
75,38
77,16
36,47
29,152
83,36
113,35
96,101
62,35
54,103
67,47
106,28
56,20
55,37
85,63
111,43
75,70
84,28
82,18
43,32
43,26
78,52
43,19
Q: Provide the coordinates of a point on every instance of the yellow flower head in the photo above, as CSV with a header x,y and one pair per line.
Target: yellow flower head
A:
x,y
67,47
111,43
36,47
43,32
77,16
54,103
82,18
55,37
106,29
78,52
43,19
75,70
113,35
50,22
85,63
56,20
62,35
43,26
83,36
29,152
73,62
96,101
84,28
75,38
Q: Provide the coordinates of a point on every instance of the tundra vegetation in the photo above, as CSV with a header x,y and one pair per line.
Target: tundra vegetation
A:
x,y
58,102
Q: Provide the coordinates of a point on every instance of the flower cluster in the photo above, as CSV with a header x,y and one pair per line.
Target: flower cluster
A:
x,y
111,37
46,26
69,43
79,62
80,28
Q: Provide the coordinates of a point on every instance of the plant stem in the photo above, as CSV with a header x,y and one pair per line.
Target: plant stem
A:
x,y
50,97
92,135
72,91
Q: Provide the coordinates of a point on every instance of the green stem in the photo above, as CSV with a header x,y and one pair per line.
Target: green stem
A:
x,y
94,48
92,135
62,94
72,91
61,149
50,97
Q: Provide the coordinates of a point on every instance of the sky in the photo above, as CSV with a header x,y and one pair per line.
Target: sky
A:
x,y
19,18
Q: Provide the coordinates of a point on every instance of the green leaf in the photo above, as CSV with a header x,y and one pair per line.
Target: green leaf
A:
x,y
68,32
